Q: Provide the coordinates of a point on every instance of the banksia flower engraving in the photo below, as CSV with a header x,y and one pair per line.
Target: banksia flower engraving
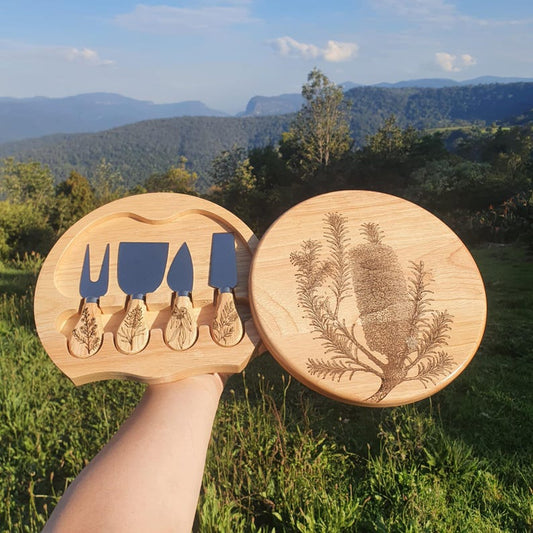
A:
x,y
381,292
403,335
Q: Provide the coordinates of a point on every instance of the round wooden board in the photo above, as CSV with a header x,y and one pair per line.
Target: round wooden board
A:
x,y
156,217
367,298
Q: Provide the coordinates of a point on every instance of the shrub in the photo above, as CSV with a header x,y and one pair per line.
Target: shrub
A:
x,y
24,229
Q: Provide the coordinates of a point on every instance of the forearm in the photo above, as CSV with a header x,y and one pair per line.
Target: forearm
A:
x,y
148,477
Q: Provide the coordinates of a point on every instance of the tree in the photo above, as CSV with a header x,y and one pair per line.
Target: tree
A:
x,y
253,194
235,184
510,151
107,183
23,230
22,182
226,165
27,191
320,133
176,179
74,199
391,155
455,183
270,169
391,142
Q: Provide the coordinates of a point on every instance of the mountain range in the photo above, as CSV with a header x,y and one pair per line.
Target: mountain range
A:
x,y
23,118
439,83
292,102
143,148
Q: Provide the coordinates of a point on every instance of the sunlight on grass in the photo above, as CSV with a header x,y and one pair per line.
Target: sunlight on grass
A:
x,y
285,459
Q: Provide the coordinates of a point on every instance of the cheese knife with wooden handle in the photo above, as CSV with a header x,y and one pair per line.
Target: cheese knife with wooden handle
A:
x,y
227,328
181,331
141,267
86,337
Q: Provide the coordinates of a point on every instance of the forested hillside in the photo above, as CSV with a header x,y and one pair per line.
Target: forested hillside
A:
x,y
290,103
425,108
140,149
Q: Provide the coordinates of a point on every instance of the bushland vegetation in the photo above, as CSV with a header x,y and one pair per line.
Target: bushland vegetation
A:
x,y
478,179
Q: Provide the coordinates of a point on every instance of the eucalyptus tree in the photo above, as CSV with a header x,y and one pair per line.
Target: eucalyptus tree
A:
x,y
320,133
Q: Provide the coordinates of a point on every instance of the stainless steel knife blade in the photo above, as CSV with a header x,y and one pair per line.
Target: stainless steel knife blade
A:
x,y
180,274
92,290
141,267
223,265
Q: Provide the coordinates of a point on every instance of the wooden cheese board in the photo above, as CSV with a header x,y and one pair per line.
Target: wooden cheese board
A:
x,y
89,337
362,296
367,298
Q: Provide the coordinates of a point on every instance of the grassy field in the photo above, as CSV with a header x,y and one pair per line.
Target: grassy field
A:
x,y
283,458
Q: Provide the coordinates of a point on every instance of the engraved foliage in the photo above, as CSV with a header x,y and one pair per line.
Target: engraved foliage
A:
x,y
403,336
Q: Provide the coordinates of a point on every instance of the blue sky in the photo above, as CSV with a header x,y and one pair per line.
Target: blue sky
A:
x,y
223,52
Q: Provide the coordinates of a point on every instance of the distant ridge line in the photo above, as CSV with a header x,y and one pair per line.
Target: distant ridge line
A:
x,y
138,150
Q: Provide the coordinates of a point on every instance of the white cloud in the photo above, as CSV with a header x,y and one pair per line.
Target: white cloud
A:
x,y
287,46
334,51
337,52
468,60
20,51
453,63
87,56
164,19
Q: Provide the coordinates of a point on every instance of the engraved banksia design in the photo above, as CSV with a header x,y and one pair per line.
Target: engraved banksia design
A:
x,y
403,336
381,292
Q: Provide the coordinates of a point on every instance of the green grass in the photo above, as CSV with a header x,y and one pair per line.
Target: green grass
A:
x,y
285,459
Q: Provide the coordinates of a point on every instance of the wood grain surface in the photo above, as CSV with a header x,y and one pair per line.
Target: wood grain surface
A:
x,y
367,298
156,217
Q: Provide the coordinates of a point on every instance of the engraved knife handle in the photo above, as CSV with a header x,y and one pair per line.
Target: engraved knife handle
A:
x,y
181,331
132,334
87,335
226,329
